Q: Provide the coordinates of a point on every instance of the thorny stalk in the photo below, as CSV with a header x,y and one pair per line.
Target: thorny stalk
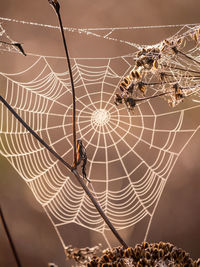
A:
x,y
56,7
10,238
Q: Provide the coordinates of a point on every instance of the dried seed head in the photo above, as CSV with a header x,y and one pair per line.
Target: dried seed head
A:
x,y
174,49
179,42
123,85
155,64
132,74
139,63
162,75
145,245
137,75
126,81
147,255
195,36
142,87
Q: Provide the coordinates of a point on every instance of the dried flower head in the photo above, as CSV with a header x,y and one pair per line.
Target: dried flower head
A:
x,y
145,254
82,255
171,69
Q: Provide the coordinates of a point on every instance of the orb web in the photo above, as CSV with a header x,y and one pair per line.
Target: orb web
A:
x,y
130,154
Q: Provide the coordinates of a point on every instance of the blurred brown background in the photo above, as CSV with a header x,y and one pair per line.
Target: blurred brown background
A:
x,y
177,218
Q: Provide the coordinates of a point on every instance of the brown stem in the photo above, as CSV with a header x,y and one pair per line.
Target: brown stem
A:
x,y
18,45
188,57
101,212
178,68
159,83
56,7
80,180
10,238
152,96
2,42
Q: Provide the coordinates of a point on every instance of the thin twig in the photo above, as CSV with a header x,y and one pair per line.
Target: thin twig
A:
x,y
179,68
34,133
188,57
18,45
80,180
152,96
103,215
56,7
10,238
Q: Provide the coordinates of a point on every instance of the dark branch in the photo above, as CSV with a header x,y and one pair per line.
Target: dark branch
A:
x,y
80,180
56,7
188,57
10,239
34,133
18,45
152,96
178,68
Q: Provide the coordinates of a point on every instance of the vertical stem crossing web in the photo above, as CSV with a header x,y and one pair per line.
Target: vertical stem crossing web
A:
x,y
56,6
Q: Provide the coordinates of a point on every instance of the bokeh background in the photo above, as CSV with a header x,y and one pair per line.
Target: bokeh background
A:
x,y
177,218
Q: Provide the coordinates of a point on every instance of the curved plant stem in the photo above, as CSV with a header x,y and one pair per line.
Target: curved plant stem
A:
x,y
9,238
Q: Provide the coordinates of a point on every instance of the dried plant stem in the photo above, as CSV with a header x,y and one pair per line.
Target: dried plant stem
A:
x,y
103,215
80,180
34,133
55,4
181,69
17,45
10,238
73,91
188,57
56,7
152,96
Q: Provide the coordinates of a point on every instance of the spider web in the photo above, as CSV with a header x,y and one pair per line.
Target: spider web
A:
x,y
130,154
